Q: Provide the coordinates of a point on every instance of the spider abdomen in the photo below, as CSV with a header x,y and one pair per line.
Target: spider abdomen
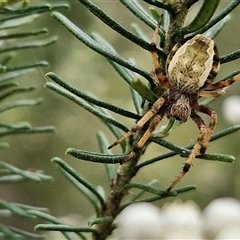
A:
x,y
193,65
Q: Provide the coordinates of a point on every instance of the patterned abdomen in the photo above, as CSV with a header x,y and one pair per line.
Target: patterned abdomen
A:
x,y
193,65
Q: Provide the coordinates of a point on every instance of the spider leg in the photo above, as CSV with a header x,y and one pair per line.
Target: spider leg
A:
x,y
146,135
160,80
195,151
213,94
221,87
212,124
224,83
150,113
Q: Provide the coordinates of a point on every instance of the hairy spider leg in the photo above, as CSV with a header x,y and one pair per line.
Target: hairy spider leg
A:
x,y
213,94
212,124
221,87
160,80
195,151
223,83
150,113
152,126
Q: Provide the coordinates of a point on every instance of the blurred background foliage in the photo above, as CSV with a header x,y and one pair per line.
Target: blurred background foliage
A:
x,y
77,128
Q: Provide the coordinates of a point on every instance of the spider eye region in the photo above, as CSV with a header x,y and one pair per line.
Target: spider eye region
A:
x,y
192,65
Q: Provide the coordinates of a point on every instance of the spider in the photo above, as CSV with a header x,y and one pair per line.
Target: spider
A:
x,y
191,68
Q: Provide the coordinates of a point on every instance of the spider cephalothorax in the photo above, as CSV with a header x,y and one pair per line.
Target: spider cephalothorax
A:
x,y
180,105
190,70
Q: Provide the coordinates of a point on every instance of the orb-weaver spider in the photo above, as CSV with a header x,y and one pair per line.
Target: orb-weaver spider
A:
x,y
191,68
